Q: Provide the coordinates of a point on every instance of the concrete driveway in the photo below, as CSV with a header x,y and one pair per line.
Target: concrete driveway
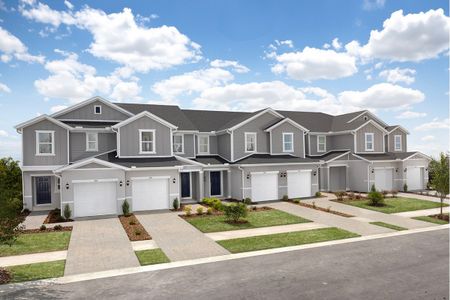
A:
x,y
99,245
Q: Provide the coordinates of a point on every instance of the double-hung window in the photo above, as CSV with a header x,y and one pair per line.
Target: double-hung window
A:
x,y
288,142
203,144
368,137
91,141
321,143
250,142
146,141
45,142
397,142
178,143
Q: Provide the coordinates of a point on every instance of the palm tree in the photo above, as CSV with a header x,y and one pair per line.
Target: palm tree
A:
x,y
440,179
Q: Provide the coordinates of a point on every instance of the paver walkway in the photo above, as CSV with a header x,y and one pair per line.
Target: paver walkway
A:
x,y
99,245
234,234
177,238
367,213
424,212
349,224
32,258
423,197
35,219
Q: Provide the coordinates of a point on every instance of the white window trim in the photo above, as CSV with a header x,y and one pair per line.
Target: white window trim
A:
x,y
37,143
182,143
291,134
325,143
198,144
153,142
395,144
95,109
245,143
87,142
365,141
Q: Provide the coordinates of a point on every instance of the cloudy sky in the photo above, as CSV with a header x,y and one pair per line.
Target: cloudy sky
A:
x,y
391,57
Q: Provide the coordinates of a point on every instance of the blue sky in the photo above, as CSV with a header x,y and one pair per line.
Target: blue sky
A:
x,y
390,57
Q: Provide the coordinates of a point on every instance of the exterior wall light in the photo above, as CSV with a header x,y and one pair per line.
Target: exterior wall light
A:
x,y
67,186
314,173
405,170
396,170
373,171
248,175
120,183
174,180
128,183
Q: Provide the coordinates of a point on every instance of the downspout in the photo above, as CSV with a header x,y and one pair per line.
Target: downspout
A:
x,y
117,140
242,180
60,192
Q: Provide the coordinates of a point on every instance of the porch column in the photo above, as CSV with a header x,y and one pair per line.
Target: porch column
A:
x,y
229,183
201,186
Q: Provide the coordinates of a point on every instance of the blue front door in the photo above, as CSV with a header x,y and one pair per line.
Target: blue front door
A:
x,y
216,184
43,190
185,185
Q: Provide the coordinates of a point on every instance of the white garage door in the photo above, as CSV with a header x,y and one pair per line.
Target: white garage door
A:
x,y
383,179
264,186
94,198
299,183
414,177
150,194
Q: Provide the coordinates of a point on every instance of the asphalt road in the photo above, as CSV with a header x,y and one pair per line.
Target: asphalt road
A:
x,y
414,266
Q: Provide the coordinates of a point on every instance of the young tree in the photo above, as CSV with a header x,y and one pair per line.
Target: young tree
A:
x,y
440,180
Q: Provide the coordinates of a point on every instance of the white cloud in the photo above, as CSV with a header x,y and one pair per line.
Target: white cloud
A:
x,y
44,14
287,43
326,46
411,115
11,46
236,66
312,63
57,108
3,133
382,95
399,75
336,44
373,4
126,91
428,138
68,4
4,88
434,124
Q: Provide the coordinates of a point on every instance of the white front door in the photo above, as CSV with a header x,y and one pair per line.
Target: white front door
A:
x,y
264,186
150,194
94,198
383,179
299,183
414,178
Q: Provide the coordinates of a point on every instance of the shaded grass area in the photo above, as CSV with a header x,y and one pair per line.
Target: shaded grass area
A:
x,y
37,242
37,271
432,219
390,226
254,219
151,257
285,239
395,205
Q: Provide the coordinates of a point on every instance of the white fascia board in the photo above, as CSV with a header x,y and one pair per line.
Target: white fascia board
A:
x,y
39,119
145,114
373,123
399,127
339,156
362,158
88,101
267,110
88,161
189,161
290,121
40,168
371,114
418,153
280,164
332,132
185,131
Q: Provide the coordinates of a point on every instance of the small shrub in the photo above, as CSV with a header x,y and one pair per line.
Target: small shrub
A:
x,y
340,195
214,203
318,194
209,211
5,276
176,204
385,193
200,210
405,187
126,208
285,198
235,211
394,193
42,228
137,232
26,211
376,198
314,204
57,227
351,195
132,222
10,221
297,201
328,209
373,189
187,210
60,218
68,212
247,201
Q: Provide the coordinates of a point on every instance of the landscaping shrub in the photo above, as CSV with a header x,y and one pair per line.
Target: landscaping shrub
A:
x,y
68,212
405,187
60,218
375,197
214,203
351,195
209,211
10,220
385,193
235,211
176,204
340,195
200,210
314,205
318,194
137,232
285,198
5,276
132,222
247,201
328,209
297,201
254,208
42,228
57,227
126,208
187,210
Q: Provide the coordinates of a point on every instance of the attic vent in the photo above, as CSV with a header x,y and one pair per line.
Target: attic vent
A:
x,y
97,109
366,118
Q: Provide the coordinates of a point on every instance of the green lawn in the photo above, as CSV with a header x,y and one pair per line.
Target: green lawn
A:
x,y
396,205
390,226
432,220
151,257
255,219
37,242
37,271
285,239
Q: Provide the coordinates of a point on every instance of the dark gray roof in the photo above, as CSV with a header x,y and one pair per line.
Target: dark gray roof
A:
x,y
210,120
274,159
143,162
389,128
387,155
313,121
330,155
90,124
210,160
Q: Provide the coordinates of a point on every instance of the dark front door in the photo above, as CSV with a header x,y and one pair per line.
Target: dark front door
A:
x,y
185,185
216,185
43,190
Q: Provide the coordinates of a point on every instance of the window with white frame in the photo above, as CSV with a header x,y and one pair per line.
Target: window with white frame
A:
x,y
91,141
203,144
97,109
397,142
321,143
178,143
288,142
146,141
45,142
369,141
250,142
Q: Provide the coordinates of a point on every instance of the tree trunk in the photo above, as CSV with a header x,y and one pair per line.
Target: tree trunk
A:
x,y
442,202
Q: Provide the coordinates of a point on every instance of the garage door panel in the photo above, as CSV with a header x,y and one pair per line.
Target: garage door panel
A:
x,y
384,179
299,184
264,187
94,199
150,194
414,178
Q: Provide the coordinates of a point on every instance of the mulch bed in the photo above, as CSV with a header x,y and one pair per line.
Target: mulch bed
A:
x,y
135,231
443,217
220,213
38,230
325,210
5,276
54,216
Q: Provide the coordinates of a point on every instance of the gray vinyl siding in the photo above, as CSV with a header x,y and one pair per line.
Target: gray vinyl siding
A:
x,y
189,149
338,178
358,175
390,143
224,146
93,166
29,145
342,141
129,138
236,184
378,139
277,139
29,194
257,125
106,142
212,145
86,112
313,145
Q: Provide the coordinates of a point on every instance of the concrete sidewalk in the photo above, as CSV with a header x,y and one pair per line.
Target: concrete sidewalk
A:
x,y
424,212
177,238
349,224
26,259
35,219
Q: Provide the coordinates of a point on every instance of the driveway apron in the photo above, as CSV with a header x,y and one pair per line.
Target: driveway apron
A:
x,y
99,245
177,238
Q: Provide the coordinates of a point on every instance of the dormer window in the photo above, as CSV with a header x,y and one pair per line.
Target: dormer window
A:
x,y
288,142
368,137
397,142
178,143
146,141
97,109
203,144
250,142
321,143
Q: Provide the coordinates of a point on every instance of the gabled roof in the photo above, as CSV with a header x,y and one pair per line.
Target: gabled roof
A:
x,y
256,114
145,114
39,119
295,124
139,162
90,160
330,156
373,123
212,120
391,156
210,160
394,127
274,159
88,101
